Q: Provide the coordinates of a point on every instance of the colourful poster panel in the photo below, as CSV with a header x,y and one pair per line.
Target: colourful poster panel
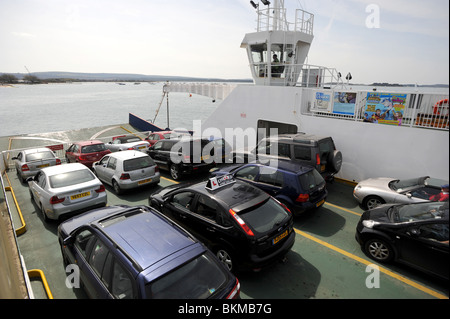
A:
x,y
344,103
385,108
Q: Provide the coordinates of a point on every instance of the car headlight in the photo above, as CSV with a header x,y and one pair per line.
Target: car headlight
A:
x,y
369,223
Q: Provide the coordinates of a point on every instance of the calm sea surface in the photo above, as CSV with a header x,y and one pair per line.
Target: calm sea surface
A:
x,y
28,109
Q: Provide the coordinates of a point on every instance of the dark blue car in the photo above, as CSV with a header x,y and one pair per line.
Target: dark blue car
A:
x,y
135,252
299,187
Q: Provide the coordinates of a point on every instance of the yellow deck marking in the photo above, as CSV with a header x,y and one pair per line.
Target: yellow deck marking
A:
x,y
170,180
342,208
367,262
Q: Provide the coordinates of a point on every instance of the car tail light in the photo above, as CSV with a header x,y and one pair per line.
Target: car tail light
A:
x,y
100,189
285,207
187,158
58,161
302,198
81,158
130,149
318,159
25,168
56,200
234,294
244,226
156,169
125,176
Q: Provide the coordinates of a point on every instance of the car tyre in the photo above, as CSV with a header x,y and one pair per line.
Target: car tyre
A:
x,y
175,172
225,258
116,187
370,202
379,250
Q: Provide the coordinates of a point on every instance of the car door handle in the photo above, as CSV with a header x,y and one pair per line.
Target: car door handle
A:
x,y
212,230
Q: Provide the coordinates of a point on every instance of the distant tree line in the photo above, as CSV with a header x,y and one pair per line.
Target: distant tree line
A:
x,y
11,78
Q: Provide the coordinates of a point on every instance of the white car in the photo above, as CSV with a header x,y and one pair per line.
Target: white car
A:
x,y
68,188
127,170
29,162
376,191
129,142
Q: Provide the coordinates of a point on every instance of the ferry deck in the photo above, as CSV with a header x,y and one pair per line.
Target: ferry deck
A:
x,y
325,262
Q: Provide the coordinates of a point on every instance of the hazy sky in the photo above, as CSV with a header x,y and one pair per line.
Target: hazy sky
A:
x,y
404,41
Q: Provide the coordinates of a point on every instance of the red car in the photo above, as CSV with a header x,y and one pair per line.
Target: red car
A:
x,y
86,152
161,135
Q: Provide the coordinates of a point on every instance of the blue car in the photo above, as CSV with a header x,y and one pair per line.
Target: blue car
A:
x,y
135,252
299,187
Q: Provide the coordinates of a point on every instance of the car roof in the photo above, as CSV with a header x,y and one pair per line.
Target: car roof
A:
x,y
37,150
124,155
64,168
90,142
237,195
289,166
298,137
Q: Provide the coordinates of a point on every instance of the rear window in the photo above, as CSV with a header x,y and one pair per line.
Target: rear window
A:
x,y
311,180
40,156
265,216
93,148
200,278
71,178
137,163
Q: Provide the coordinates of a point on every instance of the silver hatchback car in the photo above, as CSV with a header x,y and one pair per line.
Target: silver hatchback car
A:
x,y
66,189
127,170
29,162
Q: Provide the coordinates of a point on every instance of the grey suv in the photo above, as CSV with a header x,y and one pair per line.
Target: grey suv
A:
x,y
317,151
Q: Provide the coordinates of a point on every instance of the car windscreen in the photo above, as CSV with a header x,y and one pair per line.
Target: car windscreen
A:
x,y
420,211
265,216
137,163
311,180
93,148
399,185
71,178
39,156
200,278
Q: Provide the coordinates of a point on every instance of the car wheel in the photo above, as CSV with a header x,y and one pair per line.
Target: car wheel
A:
x,y
116,187
379,250
370,202
175,171
225,258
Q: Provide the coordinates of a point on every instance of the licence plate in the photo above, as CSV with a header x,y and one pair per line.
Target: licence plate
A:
x,y
141,147
320,203
43,165
148,180
279,237
81,195
322,168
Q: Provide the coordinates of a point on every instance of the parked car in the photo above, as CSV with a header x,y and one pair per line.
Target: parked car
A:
x,y
183,156
154,137
128,142
29,162
66,189
86,152
414,234
127,170
317,151
376,191
135,252
299,187
245,227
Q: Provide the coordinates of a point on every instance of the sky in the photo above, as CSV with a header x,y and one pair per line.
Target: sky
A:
x,y
395,41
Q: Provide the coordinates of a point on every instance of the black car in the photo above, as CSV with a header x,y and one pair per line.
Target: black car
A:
x,y
317,151
301,188
135,252
414,234
244,226
184,155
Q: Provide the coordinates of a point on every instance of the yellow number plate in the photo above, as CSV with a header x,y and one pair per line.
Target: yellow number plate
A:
x,y
279,237
141,147
148,180
80,195
43,165
320,203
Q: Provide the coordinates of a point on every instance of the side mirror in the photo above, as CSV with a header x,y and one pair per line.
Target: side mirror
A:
x,y
68,241
14,158
29,179
408,195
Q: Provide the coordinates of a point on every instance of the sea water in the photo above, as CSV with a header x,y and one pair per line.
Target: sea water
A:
x,y
28,109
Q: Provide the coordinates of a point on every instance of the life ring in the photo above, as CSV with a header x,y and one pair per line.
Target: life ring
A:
x,y
438,104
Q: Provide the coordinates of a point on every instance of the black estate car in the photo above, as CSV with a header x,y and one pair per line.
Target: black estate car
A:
x,y
413,234
185,155
244,226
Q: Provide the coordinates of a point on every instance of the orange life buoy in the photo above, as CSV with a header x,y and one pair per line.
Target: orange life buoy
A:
x,y
438,104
